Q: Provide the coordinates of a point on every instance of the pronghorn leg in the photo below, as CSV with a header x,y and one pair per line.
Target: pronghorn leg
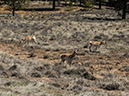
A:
x,y
90,48
35,41
96,48
62,61
69,62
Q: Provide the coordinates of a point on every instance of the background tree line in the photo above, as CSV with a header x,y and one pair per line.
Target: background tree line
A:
x,y
20,4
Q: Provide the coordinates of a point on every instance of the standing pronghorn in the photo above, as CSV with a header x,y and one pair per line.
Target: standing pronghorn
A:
x,y
28,39
68,57
96,44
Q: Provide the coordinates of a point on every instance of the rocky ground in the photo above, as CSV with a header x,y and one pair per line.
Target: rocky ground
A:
x,y
35,70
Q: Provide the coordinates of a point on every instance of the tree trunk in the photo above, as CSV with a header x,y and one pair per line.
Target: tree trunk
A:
x,y
53,4
65,2
80,2
99,4
13,9
124,10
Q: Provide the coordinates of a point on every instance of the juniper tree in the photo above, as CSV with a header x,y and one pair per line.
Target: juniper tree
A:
x,y
16,4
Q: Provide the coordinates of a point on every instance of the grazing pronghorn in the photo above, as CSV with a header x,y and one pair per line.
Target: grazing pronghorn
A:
x,y
96,44
68,57
28,39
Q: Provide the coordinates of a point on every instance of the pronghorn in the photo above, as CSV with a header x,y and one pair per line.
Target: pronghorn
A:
x,y
68,57
28,39
96,44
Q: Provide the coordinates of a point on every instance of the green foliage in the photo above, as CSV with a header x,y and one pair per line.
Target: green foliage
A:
x,y
76,92
50,3
25,17
43,16
1,67
16,4
24,83
44,3
70,3
69,8
77,1
87,3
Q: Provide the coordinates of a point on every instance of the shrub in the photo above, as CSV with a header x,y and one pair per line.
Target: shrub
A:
x,y
1,67
45,57
42,16
31,55
35,74
56,84
25,17
87,3
111,86
7,84
88,76
50,3
80,72
44,3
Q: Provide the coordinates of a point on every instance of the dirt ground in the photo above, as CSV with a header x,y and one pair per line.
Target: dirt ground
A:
x,y
96,63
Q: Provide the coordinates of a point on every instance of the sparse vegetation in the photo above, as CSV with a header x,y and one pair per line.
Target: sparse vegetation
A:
x,y
50,2
45,56
99,73
25,17
43,16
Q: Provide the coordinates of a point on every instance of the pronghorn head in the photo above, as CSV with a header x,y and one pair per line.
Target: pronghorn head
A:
x,y
103,42
75,52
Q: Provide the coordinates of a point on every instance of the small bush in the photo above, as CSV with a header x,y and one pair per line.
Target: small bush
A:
x,y
35,74
44,3
56,84
111,86
43,16
45,57
1,67
7,84
76,92
76,1
88,76
31,55
25,83
25,17
80,72
43,85
87,3
48,73
50,3
13,67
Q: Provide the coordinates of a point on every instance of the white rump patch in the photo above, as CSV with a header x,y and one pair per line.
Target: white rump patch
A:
x,y
34,38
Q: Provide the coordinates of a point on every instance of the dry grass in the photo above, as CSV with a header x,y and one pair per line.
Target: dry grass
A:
x,y
36,69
